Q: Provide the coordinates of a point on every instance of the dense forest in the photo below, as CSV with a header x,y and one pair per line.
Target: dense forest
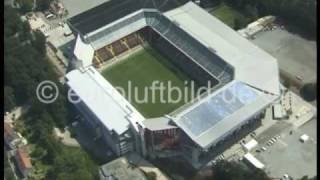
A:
x,y
299,15
25,66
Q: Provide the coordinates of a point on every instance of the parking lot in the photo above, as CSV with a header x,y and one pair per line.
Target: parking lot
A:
x,y
288,155
296,56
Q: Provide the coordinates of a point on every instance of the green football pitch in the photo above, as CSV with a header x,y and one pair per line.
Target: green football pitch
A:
x,y
144,68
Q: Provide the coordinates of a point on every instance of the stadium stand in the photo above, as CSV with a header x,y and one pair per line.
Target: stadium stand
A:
x,y
104,54
118,47
133,40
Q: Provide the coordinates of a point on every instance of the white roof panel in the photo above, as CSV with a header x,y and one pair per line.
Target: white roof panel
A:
x,y
252,65
250,145
83,52
254,161
109,106
214,117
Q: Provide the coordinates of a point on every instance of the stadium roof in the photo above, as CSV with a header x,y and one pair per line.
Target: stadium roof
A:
x,y
256,78
159,123
84,52
255,81
105,102
214,117
114,9
253,66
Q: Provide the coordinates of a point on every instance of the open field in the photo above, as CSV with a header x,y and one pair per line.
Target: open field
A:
x,y
142,69
226,14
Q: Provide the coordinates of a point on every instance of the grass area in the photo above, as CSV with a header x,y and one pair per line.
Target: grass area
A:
x,y
142,69
226,14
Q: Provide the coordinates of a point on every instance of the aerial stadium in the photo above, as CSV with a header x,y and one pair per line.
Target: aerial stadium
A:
x,y
143,41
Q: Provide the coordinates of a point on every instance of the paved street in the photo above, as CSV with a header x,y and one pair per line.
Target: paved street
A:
x,y
290,156
296,56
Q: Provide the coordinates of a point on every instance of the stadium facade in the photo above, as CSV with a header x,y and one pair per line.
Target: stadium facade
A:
x,y
202,46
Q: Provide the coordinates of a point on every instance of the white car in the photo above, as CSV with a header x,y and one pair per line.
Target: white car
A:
x,y
263,148
286,176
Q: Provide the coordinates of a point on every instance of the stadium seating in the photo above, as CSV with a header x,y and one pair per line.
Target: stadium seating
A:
x,y
104,54
133,40
184,50
118,48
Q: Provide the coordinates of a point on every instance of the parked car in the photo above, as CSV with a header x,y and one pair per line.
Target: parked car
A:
x,y
258,151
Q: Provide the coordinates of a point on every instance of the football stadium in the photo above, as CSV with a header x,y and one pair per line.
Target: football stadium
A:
x,y
144,41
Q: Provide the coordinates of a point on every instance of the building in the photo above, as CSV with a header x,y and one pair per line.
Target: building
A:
x,y
252,161
202,46
23,161
120,169
11,139
132,167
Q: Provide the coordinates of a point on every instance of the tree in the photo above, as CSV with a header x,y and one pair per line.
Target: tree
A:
x,y
309,91
151,175
239,22
225,170
39,42
43,5
25,5
9,98
26,65
307,178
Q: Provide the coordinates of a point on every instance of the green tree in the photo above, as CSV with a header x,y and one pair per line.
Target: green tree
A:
x,y
239,23
309,91
43,5
225,170
151,175
25,5
9,98
307,178
39,42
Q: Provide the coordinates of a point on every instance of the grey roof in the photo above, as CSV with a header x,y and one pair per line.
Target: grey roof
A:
x,y
120,169
114,9
159,123
104,102
213,118
252,65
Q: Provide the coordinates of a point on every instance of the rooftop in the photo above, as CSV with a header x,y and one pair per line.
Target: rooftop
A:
x,y
121,169
9,132
105,102
113,10
23,157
